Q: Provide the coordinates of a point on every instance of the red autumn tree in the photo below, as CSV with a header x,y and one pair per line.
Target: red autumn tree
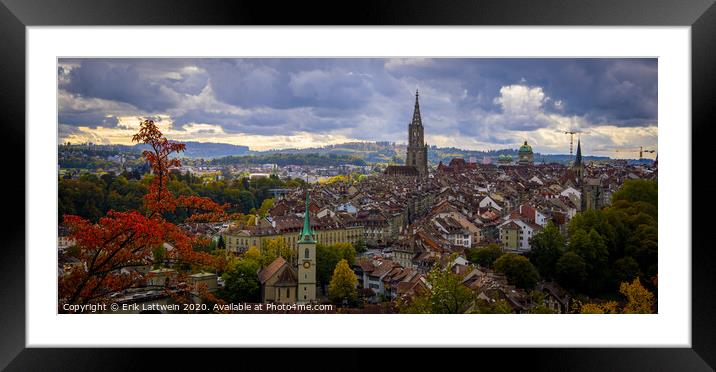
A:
x,y
111,250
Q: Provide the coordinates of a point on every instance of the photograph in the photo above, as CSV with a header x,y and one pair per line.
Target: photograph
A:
x,y
270,181
357,185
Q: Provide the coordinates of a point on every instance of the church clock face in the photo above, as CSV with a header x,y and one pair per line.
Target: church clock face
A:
x,y
306,264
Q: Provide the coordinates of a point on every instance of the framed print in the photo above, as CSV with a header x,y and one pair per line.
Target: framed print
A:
x,y
470,176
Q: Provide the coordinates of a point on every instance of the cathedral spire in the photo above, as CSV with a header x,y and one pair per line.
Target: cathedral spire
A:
x,y
578,159
307,233
417,152
416,112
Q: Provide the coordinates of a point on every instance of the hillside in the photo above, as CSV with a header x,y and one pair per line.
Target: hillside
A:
x,y
356,153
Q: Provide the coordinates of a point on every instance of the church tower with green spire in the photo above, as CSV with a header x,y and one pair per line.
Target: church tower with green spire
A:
x,y
306,259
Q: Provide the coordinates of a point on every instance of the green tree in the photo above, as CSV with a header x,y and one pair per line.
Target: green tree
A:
x,y
252,253
246,201
271,249
625,269
571,271
445,295
547,248
241,282
498,306
328,256
643,246
346,252
486,256
518,270
326,261
595,220
265,206
342,288
638,191
360,246
594,252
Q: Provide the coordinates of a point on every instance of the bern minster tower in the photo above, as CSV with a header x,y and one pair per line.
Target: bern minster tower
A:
x,y
417,148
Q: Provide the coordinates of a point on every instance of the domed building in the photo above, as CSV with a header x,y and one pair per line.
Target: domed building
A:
x,y
504,159
525,154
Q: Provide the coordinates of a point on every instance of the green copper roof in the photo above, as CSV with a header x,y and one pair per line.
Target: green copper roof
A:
x,y
525,148
307,233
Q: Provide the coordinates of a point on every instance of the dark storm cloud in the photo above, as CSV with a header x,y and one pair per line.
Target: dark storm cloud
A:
x,y
362,98
291,83
90,119
614,91
125,81
91,112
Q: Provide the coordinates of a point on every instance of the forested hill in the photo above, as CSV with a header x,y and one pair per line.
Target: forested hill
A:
x,y
356,153
206,150
290,159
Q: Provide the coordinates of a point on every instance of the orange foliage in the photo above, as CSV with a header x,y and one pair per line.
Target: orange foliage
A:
x,y
121,241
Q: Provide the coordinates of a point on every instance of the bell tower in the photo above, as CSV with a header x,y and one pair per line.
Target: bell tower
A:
x,y
417,155
306,259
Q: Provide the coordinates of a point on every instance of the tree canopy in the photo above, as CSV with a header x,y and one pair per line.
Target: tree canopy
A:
x,y
547,248
342,288
485,256
328,256
519,270
445,295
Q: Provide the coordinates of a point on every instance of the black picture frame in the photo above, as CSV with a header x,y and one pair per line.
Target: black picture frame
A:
x,y
16,15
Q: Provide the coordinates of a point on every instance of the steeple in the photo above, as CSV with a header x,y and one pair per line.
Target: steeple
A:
x,y
417,152
578,167
416,112
307,233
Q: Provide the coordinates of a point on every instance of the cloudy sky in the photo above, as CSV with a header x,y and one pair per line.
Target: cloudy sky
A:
x,y
279,103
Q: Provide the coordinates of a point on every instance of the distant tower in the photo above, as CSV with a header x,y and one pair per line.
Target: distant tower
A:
x,y
578,166
306,259
417,148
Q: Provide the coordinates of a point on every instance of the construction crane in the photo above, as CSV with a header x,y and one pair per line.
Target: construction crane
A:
x,y
641,151
571,139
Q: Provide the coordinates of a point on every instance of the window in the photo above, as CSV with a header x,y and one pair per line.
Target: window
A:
x,y
288,292
306,253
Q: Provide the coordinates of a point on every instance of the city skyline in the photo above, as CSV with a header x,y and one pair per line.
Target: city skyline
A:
x,y
474,104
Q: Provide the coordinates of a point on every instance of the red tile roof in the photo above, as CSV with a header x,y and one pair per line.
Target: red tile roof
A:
x,y
271,269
